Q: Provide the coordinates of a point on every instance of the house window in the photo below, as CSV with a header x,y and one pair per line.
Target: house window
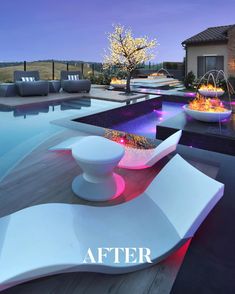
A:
x,y
210,62
206,63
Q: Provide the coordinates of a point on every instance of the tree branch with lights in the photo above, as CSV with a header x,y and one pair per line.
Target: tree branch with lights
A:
x,y
127,53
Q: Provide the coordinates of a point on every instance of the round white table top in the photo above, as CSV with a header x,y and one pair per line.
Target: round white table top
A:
x,y
96,149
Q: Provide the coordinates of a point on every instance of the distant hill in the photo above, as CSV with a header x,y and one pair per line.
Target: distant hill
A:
x,y
12,63
44,67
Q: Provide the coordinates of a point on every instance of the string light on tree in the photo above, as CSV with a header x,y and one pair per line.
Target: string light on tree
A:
x,y
127,52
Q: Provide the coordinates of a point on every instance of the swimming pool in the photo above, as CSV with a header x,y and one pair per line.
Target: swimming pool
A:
x,y
24,128
145,125
138,119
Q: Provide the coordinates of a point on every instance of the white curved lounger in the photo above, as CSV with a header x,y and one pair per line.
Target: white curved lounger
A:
x,y
145,158
54,238
134,158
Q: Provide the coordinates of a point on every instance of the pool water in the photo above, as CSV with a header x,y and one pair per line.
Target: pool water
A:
x,y
145,125
24,128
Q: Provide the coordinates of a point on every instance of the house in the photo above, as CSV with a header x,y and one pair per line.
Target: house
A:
x,y
213,48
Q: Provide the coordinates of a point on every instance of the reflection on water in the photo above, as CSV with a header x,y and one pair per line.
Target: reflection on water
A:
x,y
36,109
25,127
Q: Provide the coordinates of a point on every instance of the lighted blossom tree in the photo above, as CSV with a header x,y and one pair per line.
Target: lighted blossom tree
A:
x,y
127,52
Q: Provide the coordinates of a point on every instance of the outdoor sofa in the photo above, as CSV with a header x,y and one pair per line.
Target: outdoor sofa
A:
x,y
28,83
72,82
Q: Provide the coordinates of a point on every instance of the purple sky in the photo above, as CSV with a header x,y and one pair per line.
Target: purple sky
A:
x,y
75,29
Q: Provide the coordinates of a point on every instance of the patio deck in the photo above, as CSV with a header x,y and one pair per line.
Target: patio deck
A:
x,y
95,93
21,189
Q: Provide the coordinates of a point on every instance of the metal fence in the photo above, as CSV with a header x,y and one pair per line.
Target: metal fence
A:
x,y
50,69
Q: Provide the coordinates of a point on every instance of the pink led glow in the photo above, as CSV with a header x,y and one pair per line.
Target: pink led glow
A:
x,y
161,112
178,256
191,94
120,185
225,120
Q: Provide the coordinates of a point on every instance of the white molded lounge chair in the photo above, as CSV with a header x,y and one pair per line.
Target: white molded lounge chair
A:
x,y
145,158
54,238
134,158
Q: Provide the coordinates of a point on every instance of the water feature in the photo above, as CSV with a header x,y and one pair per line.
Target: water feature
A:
x,y
207,106
216,77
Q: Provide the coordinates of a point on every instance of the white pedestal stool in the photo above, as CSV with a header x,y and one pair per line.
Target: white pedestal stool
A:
x,y
97,157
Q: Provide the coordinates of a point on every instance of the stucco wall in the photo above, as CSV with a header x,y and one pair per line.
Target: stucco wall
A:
x,y
194,51
231,52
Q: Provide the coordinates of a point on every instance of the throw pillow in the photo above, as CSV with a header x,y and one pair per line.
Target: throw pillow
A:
x,y
73,77
28,79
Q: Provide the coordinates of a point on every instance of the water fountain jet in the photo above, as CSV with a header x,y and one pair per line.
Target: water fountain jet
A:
x,y
207,106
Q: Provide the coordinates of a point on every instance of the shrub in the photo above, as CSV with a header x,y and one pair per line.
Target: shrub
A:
x,y
100,79
222,84
120,75
189,80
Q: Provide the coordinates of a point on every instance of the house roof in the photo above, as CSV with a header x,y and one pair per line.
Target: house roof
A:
x,y
212,34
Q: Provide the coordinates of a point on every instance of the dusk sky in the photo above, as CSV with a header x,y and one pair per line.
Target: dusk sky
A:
x,y
74,29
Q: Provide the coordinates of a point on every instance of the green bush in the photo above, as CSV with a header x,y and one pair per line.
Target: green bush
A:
x,y
189,80
105,77
222,84
122,75
100,79
170,65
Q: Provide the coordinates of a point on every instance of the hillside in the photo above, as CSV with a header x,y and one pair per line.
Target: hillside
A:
x,y
45,69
